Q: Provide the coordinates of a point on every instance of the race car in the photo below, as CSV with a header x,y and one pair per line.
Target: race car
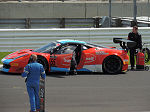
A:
x,y
56,57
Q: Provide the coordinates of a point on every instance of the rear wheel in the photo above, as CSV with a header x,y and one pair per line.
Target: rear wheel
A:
x,y
112,65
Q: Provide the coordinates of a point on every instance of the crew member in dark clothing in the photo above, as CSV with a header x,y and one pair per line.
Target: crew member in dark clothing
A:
x,y
75,60
136,37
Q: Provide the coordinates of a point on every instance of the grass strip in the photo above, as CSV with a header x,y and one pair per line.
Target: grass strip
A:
x,y
3,54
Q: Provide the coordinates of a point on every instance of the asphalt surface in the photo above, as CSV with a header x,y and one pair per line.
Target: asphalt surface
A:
x,y
126,92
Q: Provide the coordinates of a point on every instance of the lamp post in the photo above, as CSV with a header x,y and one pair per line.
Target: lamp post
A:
x,y
109,13
148,6
134,12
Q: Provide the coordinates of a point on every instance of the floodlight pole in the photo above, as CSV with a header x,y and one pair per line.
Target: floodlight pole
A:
x,y
135,11
109,13
148,4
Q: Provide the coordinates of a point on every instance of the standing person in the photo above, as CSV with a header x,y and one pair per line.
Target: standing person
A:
x,y
75,60
136,37
32,73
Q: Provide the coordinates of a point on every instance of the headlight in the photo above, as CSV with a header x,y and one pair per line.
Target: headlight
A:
x,y
20,56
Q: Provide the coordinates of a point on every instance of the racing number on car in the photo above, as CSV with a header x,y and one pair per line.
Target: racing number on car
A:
x,y
52,62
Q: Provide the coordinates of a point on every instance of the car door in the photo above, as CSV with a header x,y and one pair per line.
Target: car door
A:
x,y
89,60
61,59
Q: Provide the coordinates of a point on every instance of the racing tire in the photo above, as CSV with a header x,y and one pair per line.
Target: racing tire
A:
x,y
147,54
44,62
112,65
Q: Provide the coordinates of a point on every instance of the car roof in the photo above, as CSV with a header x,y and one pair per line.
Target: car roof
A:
x,y
71,41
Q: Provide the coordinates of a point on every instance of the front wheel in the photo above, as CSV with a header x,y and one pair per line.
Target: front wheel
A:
x,y
112,65
43,62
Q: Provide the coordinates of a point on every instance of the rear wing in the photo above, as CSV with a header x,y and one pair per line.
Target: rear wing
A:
x,y
124,43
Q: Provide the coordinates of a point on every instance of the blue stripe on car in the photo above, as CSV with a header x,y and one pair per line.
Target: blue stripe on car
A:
x,y
84,70
4,69
7,61
56,69
72,41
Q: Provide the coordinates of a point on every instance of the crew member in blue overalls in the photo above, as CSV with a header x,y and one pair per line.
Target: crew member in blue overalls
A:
x,y
32,73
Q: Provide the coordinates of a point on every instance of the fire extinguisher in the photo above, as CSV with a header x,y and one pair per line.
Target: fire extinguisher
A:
x,y
140,60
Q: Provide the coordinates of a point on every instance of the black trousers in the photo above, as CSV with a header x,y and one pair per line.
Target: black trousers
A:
x,y
73,65
132,59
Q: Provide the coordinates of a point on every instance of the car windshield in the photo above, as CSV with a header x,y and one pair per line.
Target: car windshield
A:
x,y
47,48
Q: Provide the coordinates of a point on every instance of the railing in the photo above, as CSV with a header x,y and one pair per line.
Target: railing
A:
x,y
70,23
105,1
15,39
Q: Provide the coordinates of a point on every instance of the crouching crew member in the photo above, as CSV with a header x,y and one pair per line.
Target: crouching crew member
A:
x,y
32,73
136,37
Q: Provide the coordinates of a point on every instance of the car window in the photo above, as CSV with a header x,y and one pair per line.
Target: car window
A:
x,y
68,49
85,47
47,48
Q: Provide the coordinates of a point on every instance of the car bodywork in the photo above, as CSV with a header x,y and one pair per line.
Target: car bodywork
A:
x,y
56,56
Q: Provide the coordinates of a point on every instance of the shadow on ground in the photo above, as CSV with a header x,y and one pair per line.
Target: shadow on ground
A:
x,y
63,74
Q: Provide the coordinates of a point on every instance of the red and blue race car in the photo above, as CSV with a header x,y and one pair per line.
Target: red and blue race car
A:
x,y
56,57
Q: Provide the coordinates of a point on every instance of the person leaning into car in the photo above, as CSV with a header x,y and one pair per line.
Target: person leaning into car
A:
x,y
76,55
136,37
32,73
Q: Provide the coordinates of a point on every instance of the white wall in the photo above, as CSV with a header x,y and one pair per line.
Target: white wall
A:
x,y
15,39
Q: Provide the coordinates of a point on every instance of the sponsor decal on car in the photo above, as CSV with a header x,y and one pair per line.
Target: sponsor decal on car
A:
x,y
66,61
90,58
14,64
125,61
101,53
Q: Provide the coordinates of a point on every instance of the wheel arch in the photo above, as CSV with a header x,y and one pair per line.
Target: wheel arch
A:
x,y
45,60
109,57
113,55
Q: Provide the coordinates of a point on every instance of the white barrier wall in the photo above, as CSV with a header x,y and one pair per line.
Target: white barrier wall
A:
x,y
15,39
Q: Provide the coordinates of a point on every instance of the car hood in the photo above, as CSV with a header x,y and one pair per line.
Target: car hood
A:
x,y
18,53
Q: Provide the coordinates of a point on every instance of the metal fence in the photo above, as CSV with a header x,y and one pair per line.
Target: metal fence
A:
x,y
69,23
46,23
106,1
15,39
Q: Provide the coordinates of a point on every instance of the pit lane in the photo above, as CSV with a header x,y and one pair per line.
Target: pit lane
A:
x,y
85,92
